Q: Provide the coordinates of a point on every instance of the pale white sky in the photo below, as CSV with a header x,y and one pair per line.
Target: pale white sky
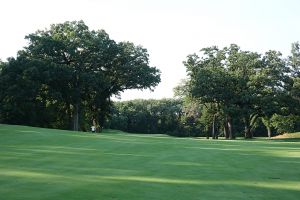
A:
x,y
169,29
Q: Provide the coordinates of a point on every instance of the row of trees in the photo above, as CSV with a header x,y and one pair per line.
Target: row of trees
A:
x,y
236,85
66,76
185,118
228,92
146,116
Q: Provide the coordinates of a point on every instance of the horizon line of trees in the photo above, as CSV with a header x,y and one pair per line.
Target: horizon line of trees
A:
x,y
66,75
182,118
228,92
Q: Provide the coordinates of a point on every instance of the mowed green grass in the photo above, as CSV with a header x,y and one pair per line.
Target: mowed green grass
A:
x,y
49,164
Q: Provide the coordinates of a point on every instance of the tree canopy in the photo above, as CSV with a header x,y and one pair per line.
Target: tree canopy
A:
x,y
66,75
78,70
241,84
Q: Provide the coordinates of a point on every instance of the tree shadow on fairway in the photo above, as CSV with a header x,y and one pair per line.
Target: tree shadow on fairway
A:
x,y
45,185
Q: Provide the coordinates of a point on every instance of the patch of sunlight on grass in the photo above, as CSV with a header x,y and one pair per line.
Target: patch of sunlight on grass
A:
x,y
154,136
288,185
284,148
131,139
111,138
51,151
28,174
152,180
188,164
48,177
68,148
51,147
213,148
29,131
278,184
128,154
283,154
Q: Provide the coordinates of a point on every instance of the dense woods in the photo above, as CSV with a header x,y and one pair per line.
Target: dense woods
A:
x,y
66,75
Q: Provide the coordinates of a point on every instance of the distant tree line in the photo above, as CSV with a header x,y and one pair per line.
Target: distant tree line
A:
x,y
146,116
183,118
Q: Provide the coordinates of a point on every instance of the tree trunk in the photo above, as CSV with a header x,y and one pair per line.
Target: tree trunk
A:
x,y
70,116
226,129
267,122
213,128
269,131
76,117
229,128
248,134
247,130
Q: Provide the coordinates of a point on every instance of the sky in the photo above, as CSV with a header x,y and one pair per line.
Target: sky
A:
x,y
169,29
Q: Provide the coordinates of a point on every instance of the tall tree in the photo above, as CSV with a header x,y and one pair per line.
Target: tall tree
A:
x,y
210,82
239,84
94,67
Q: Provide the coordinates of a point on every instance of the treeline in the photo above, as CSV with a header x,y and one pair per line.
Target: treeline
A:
x,y
66,75
147,116
228,92
182,118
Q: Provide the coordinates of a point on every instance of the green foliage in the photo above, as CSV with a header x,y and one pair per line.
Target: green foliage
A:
x,y
21,93
147,116
240,84
285,124
73,72
66,75
226,92
294,59
176,117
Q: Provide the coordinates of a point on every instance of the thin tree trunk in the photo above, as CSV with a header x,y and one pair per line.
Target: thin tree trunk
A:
x,y
226,129
213,127
248,134
70,115
76,117
229,128
247,130
267,122
269,131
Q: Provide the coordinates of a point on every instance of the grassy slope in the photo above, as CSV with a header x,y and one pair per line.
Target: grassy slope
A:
x,y
50,164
